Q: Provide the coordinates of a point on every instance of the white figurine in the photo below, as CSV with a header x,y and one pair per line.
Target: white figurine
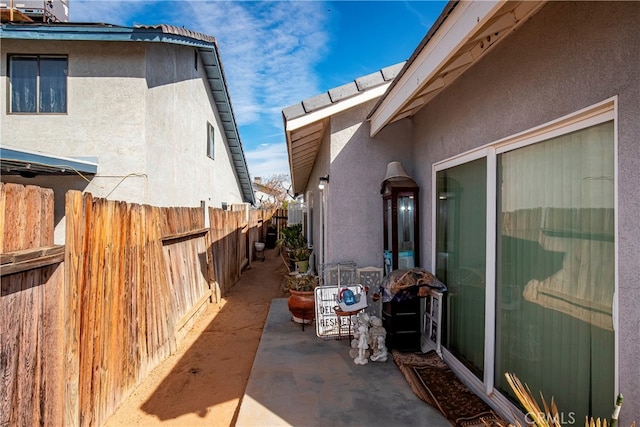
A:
x,y
363,346
377,336
354,351
381,353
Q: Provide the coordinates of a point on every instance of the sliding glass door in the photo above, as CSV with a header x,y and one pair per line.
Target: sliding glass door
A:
x,y
546,277
555,272
461,207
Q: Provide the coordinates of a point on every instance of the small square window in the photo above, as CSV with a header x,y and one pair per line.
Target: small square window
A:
x,y
210,140
38,84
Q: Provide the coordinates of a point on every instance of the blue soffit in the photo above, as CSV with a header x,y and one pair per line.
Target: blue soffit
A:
x,y
207,48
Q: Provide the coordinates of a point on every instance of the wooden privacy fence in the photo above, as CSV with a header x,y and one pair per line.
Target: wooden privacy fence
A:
x,y
134,273
233,234
78,335
30,308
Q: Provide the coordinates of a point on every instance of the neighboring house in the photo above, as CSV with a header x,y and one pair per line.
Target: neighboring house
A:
x,y
137,114
519,122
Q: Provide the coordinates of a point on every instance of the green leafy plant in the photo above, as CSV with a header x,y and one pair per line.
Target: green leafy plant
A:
x,y
301,282
300,254
291,237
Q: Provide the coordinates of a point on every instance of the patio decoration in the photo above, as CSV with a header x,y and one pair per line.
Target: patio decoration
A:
x,y
403,294
363,345
401,220
410,283
368,341
349,301
435,383
377,337
331,322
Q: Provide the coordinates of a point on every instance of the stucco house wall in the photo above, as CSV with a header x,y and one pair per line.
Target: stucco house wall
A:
x,y
108,125
142,110
567,57
319,198
179,107
357,169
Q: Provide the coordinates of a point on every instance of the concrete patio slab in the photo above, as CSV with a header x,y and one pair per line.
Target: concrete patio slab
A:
x,y
298,379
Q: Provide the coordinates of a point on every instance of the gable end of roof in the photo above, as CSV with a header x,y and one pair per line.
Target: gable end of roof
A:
x,y
207,48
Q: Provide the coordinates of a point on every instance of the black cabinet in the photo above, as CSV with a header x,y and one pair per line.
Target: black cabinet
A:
x,y
401,320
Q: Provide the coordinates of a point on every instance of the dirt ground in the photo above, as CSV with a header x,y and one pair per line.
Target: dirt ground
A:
x,y
203,383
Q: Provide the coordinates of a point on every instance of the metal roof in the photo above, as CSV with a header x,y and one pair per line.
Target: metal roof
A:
x,y
206,46
305,123
27,163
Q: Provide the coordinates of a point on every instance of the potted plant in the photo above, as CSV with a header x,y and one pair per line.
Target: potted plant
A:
x,y
300,257
291,237
301,300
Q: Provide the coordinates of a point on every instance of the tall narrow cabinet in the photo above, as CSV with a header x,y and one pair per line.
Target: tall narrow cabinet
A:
x,y
400,204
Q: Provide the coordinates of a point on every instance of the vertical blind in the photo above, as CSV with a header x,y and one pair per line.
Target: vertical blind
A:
x,y
555,272
555,267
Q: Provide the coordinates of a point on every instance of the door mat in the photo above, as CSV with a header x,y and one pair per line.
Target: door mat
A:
x,y
435,383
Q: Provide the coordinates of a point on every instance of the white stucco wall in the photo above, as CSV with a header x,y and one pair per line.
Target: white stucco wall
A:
x,y
569,56
179,106
320,198
357,168
142,110
105,115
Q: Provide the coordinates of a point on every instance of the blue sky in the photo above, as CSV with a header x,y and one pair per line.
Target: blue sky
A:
x,y
277,53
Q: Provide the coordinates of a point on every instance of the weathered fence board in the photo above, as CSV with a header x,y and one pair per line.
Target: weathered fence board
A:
x,y
83,324
31,281
144,270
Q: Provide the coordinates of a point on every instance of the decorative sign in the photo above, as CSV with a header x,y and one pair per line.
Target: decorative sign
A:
x,y
328,324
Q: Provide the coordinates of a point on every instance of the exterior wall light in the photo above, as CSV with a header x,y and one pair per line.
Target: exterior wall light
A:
x,y
324,180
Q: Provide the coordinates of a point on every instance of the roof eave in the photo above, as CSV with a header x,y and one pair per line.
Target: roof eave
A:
x,y
311,129
305,123
220,93
463,34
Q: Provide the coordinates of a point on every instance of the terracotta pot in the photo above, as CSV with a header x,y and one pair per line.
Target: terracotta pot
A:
x,y
302,306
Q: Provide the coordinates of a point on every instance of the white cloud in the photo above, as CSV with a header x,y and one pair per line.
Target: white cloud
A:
x,y
267,160
268,49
